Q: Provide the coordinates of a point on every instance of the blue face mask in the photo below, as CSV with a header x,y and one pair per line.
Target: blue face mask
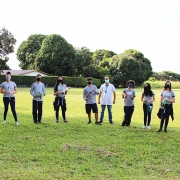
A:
x,y
130,85
107,81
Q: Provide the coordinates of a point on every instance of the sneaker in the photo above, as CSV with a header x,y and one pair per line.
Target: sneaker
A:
x,y
144,127
159,130
65,121
165,130
57,121
17,123
89,122
98,123
148,127
4,122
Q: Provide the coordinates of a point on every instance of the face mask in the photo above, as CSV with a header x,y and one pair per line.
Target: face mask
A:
x,y
167,86
60,81
8,78
38,79
89,83
146,88
107,81
130,85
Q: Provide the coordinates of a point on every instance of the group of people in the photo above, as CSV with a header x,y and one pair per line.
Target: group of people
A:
x,y
106,97
107,91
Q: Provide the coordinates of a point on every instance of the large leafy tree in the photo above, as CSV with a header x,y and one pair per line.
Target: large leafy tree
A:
x,y
101,55
130,65
83,59
7,42
56,56
28,50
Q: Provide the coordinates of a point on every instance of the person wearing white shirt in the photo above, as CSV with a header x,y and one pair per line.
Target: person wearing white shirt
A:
x,y
106,91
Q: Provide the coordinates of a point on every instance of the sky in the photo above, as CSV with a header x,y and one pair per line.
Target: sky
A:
x,y
149,26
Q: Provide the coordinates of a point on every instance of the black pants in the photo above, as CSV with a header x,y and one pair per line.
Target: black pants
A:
x,y
60,102
147,115
12,101
128,111
37,106
165,113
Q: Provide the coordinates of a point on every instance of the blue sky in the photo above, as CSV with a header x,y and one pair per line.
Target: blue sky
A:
x,y
149,26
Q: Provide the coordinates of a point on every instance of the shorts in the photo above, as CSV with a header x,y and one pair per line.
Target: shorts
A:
x,y
91,106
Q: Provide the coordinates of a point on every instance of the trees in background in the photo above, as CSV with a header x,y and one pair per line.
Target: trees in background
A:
x,y
7,42
54,55
28,50
130,65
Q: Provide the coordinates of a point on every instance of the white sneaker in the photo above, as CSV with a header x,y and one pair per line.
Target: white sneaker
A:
x,y
4,122
144,127
17,123
148,127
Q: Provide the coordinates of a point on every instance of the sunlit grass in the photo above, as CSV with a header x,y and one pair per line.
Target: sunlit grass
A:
x,y
75,150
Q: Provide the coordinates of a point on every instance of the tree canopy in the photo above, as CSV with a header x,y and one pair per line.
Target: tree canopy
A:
x,y
7,42
56,56
130,65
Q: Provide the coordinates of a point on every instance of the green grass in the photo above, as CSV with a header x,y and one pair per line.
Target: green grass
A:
x,y
79,151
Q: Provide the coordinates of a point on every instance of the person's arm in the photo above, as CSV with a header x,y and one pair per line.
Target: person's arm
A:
x,y
170,100
161,98
84,96
32,90
44,89
99,97
142,98
114,101
15,90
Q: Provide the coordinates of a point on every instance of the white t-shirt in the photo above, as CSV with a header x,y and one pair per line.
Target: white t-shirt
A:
x,y
107,92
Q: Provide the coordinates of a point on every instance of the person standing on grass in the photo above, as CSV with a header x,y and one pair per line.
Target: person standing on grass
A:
x,y
37,91
166,100
8,89
106,90
89,95
60,90
148,97
128,95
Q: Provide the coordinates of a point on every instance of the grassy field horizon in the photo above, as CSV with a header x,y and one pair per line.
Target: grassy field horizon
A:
x,y
75,150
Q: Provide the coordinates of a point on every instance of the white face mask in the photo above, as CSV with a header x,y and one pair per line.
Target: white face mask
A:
x,y
107,81
8,78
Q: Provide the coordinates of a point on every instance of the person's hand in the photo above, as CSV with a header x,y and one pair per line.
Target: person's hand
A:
x,y
98,101
114,102
85,99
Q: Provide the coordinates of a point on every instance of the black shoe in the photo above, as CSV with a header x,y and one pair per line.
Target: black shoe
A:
x,y
57,121
122,124
89,122
98,123
159,130
111,122
165,130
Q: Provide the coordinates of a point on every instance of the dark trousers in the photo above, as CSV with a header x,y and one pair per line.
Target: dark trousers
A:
x,y
37,107
128,111
6,101
147,115
60,102
165,113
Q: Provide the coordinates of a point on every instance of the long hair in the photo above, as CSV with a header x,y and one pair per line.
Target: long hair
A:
x,y
165,85
147,90
57,83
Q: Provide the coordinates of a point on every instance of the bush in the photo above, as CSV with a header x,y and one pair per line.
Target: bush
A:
x,y
26,81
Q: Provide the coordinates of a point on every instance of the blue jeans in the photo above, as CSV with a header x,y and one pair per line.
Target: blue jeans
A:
x,y
109,112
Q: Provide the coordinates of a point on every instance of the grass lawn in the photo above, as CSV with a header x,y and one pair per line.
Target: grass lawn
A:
x,y
75,150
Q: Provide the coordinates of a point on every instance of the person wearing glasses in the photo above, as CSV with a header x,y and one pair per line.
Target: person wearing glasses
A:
x,y
106,91
8,90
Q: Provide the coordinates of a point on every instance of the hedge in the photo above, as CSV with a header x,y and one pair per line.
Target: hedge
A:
x,y
26,81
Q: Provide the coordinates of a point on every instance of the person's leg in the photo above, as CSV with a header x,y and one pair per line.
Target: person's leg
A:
x,y
131,110
95,111
145,114
88,112
34,110
6,104
102,113
13,108
40,104
125,116
57,114
63,108
110,113
166,119
162,120
149,116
